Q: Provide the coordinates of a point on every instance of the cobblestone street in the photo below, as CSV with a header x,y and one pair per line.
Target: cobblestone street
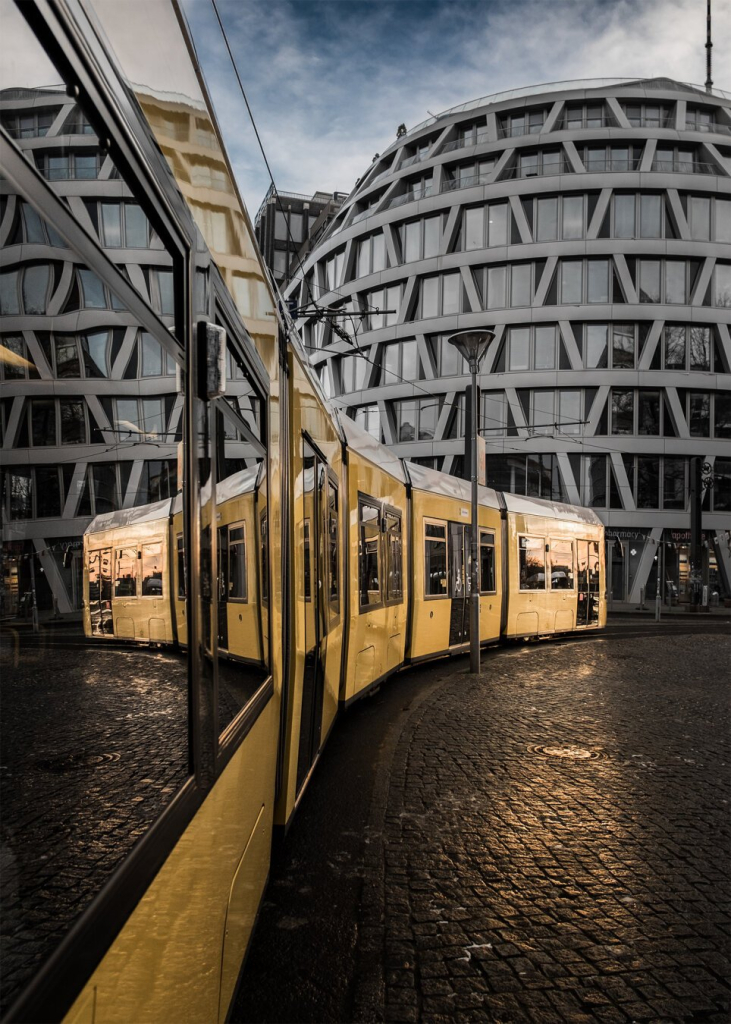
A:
x,y
547,843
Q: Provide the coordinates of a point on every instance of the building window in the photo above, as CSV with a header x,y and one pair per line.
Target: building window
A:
x,y
123,225
686,347
68,165
680,159
334,267
420,239
527,122
400,362
722,285
532,563
586,115
30,124
584,281
647,115
622,405
26,290
15,359
153,361
467,175
140,419
35,492
451,362
611,158
416,418
485,226
384,306
663,281
538,164
372,255
559,217
534,475
353,374
368,418
158,481
441,296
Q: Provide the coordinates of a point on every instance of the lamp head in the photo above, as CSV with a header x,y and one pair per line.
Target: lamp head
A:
x,y
472,345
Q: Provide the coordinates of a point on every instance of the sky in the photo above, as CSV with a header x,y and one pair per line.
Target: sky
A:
x,y
329,81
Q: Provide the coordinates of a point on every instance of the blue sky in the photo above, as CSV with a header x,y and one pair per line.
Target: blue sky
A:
x,y
329,81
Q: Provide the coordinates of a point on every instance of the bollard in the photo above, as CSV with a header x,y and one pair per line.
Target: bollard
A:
x,y
658,606
642,598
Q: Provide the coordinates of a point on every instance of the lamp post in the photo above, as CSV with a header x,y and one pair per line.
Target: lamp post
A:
x,y
473,345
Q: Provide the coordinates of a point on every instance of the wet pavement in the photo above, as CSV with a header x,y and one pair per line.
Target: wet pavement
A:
x,y
549,842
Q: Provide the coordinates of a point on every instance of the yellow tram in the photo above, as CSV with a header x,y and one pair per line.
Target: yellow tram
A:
x,y
298,565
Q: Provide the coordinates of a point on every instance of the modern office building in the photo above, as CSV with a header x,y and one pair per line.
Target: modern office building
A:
x,y
589,225
90,412
289,224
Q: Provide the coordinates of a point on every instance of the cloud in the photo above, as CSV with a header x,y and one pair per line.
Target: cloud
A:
x,y
329,80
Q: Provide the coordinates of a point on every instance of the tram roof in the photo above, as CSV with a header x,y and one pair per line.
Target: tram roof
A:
x,y
550,509
424,479
130,516
366,445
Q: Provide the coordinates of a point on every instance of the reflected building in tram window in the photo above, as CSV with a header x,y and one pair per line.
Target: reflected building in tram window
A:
x,y
588,224
90,411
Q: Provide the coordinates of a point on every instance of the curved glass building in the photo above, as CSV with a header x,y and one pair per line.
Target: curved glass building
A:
x,y
588,224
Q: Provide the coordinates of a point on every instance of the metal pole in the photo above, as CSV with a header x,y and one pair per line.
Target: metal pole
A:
x,y
474,541
33,591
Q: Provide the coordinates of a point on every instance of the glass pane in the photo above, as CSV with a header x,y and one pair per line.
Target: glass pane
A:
x,y
650,216
648,482
570,412
519,346
597,281
520,289
474,222
406,420
497,224
9,302
545,348
543,414
623,346
622,412
428,413
699,409
532,563
431,237
429,297
73,423
700,218
452,288
573,217
136,227
409,364
675,344
673,483
675,281
379,253
496,279
648,413
649,280
700,348
43,422
412,241
596,346
624,216
151,356
571,281
35,288
111,224
92,290
547,219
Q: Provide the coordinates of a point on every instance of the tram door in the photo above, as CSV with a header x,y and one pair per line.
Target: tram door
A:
x,y
100,592
587,609
223,587
459,583
314,477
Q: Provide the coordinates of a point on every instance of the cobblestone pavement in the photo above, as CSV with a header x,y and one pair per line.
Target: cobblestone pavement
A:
x,y
549,842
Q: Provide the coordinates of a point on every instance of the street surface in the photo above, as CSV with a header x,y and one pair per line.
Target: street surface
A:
x,y
549,842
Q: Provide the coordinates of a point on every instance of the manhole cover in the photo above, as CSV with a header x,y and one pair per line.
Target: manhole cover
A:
x,y
570,753
72,762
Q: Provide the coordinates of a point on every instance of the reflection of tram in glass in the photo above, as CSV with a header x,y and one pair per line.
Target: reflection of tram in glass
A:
x,y
298,566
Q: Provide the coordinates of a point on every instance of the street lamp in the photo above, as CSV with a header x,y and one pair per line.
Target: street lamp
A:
x,y
473,345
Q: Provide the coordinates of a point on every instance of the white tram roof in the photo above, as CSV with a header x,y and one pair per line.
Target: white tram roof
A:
x,y
550,509
130,516
366,445
424,479
242,482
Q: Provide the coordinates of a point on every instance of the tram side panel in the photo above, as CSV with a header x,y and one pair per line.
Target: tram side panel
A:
x,y
378,577
556,575
441,558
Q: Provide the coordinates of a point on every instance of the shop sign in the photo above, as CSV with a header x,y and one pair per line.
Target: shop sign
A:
x,y
670,536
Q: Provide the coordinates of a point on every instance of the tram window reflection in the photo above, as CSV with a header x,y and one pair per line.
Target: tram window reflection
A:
x,y
370,570
394,558
562,565
435,559
487,562
152,585
532,563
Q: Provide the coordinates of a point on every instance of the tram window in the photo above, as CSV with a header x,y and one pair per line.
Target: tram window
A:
x,y
562,565
532,563
594,565
152,570
332,546
125,581
237,563
435,559
487,562
264,544
182,577
394,558
369,567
